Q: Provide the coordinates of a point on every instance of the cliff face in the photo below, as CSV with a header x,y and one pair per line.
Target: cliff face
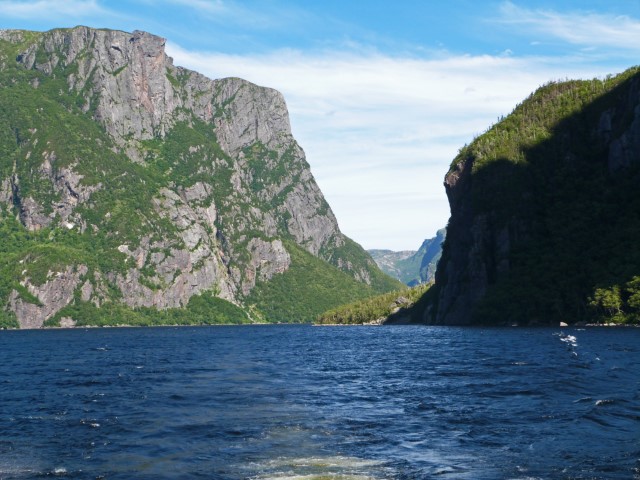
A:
x,y
166,183
544,207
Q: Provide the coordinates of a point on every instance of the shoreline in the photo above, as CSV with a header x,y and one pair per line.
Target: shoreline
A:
x,y
372,324
79,327
462,326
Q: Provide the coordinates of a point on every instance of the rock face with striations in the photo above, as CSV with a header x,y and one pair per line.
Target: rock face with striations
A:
x,y
544,209
180,183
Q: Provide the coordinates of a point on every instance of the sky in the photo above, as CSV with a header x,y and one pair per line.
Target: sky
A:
x,y
381,94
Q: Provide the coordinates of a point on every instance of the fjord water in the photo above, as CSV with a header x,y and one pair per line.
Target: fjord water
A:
x,y
302,402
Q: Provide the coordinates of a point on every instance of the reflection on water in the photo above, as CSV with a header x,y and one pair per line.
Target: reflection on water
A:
x,y
294,402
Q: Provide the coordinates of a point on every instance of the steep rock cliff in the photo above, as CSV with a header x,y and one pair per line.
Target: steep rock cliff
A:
x,y
161,183
544,210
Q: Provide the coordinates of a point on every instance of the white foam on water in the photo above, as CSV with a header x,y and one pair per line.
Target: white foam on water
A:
x,y
337,461
91,423
570,340
318,468
330,476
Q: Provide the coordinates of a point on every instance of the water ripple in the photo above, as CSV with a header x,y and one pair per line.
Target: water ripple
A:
x,y
294,402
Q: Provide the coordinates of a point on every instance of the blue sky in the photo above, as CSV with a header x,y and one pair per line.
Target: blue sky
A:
x,y
381,94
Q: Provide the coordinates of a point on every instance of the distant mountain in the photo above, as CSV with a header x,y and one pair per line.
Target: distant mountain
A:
x,y
133,191
545,212
409,266
388,261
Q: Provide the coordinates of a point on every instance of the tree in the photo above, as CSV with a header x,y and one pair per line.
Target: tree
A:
x,y
607,302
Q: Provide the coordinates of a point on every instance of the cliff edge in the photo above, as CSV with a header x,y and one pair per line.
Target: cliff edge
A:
x,y
545,212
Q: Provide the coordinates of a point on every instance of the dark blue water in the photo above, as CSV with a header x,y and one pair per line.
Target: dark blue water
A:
x,y
304,402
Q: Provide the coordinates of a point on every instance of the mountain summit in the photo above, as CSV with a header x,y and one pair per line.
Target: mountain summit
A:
x,y
127,183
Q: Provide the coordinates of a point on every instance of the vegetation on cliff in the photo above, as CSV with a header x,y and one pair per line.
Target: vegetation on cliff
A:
x,y
204,309
133,191
546,211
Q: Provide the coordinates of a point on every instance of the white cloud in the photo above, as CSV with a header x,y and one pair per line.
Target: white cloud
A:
x,y
578,28
380,132
51,9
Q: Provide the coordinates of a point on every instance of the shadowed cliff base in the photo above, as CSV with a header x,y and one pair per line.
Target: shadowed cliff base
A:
x,y
546,213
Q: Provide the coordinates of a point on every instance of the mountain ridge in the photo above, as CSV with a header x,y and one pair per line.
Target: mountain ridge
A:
x,y
161,183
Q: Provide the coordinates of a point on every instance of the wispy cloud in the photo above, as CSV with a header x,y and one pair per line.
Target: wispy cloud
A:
x,y
259,16
52,9
372,123
577,27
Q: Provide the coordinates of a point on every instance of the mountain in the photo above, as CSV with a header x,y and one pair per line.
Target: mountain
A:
x,y
135,191
545,212
388,261
409,266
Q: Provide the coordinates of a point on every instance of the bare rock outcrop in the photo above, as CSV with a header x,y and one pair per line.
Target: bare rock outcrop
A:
x,y
50,297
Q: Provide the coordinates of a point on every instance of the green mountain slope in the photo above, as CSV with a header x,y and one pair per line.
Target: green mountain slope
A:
x,y
387,308
309,287
129,186
546,212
